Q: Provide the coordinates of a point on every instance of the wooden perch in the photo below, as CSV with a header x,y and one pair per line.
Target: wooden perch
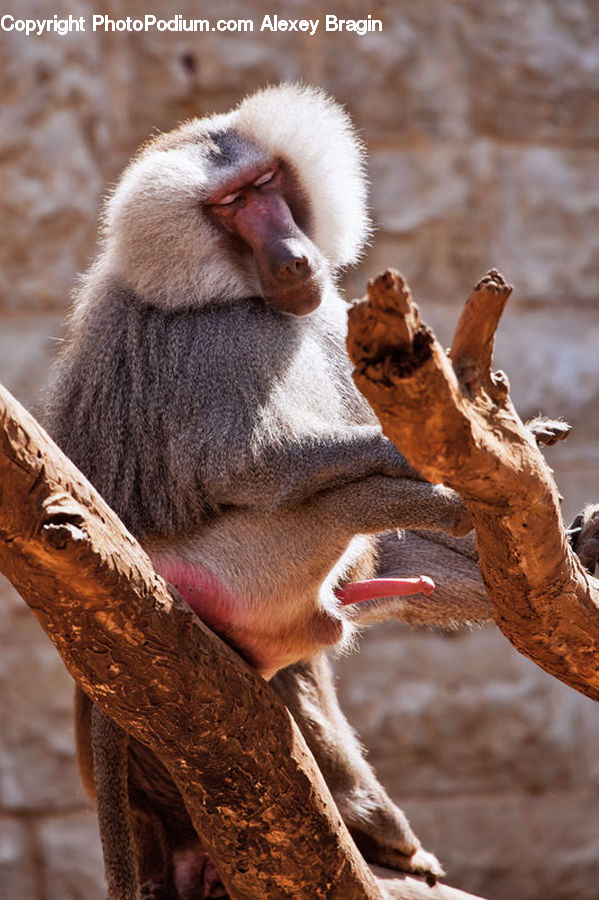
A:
x,y
249,782
453,419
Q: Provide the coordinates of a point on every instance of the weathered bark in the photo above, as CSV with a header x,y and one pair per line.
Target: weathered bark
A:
x,y
454,421
248,780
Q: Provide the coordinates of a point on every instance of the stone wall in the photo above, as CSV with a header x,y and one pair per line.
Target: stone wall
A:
x,y
482,124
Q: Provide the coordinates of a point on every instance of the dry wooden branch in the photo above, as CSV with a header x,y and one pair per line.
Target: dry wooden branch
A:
x,y
453,419
247,777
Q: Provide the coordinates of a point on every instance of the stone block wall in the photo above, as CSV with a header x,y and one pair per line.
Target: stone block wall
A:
x,y
482,125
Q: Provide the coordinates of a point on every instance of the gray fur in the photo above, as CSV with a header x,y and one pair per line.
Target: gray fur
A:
x,y
379,827
204,426
110,748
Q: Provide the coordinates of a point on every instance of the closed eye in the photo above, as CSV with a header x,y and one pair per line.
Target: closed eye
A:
x,y
228,199
264,179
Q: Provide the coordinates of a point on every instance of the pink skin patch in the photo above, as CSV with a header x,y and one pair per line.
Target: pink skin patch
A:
x,y
376,588
202,590
195,874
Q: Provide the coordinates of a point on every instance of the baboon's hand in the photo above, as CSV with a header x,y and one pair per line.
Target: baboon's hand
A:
x,y
456,518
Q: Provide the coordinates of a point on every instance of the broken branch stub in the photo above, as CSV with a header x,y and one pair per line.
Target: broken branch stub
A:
x,y
474,339
454,421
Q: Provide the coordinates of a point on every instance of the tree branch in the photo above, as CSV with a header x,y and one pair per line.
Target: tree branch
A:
x,y
454,421
247,777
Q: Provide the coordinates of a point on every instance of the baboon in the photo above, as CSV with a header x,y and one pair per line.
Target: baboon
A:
x,y
204,389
